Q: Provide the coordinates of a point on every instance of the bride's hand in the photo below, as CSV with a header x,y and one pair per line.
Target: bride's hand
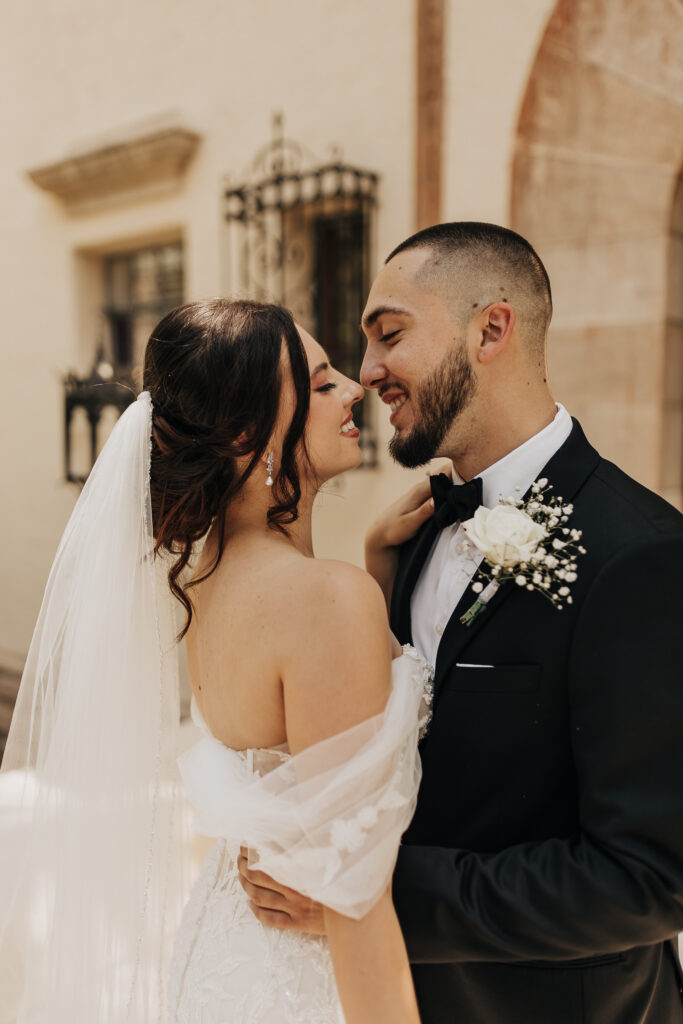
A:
x,y
394,527
277,906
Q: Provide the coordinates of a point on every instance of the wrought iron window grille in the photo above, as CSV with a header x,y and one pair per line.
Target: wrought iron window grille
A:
x,y
140,287
301,234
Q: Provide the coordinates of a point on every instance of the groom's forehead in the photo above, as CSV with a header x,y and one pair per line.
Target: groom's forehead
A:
x,y
397,291
394,290
400,272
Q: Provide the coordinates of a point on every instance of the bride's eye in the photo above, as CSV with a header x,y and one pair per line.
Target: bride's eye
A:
x,y
327,387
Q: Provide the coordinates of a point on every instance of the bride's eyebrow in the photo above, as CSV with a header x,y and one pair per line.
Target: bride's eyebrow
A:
x,y
319,368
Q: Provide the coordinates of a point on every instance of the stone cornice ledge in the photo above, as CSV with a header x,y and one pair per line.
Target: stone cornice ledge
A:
x,y
127,169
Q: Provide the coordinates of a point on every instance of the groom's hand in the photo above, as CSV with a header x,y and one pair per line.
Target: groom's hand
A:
x,y
277,906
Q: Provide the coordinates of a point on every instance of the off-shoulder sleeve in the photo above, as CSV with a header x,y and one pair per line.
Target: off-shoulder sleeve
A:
x,y
327,822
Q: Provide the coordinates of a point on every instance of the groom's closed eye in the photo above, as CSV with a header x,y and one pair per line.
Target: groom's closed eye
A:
x,y
389,336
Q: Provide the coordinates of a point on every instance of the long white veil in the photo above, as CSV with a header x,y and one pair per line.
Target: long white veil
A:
x,y
91,860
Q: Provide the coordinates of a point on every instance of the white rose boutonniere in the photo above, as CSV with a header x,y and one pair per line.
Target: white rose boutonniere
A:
x,y
505,535
528,542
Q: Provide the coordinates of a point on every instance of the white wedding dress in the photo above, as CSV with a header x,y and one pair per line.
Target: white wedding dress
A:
x,y
327,822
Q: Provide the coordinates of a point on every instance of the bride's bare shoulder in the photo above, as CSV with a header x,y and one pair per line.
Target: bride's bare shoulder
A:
x,y
336,657
322,587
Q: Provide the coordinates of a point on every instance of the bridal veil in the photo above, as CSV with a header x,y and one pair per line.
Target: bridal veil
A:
x,y
91,882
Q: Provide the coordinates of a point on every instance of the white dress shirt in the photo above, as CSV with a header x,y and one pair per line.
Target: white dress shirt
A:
x,y
448,569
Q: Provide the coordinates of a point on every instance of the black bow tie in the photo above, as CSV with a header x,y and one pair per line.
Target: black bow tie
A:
x,y
454,502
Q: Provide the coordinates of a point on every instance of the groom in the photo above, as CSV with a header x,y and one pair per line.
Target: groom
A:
x,y
541,880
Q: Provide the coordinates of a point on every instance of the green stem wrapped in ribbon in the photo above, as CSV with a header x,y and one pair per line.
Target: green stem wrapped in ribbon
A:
x,y
482,600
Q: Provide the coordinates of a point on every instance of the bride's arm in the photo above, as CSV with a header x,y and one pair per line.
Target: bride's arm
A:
x,y
337,673
371,967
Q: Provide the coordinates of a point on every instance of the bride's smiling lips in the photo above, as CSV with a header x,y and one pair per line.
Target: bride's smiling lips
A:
x,y
348,427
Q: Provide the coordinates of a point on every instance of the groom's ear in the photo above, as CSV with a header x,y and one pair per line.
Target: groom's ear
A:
x,y
497,326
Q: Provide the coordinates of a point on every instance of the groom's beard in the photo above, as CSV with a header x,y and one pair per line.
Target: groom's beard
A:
x,y
437,401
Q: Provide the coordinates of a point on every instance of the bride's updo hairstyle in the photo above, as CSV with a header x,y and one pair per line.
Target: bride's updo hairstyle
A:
x,y
214,373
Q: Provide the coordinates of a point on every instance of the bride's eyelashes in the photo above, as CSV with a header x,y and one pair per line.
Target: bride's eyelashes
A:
x,y
327,387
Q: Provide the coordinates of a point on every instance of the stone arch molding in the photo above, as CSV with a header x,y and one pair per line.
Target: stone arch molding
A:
x,y
598,156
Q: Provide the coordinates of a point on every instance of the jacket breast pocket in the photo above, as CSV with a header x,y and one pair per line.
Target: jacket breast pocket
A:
x,y
494,679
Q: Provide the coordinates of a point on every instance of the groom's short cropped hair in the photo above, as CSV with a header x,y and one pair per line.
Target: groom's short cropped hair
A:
x,y
473,265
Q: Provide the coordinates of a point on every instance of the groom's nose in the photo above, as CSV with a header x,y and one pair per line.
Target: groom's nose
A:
x,y
372,371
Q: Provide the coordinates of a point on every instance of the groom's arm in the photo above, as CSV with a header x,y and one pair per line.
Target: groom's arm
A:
x,y
618,883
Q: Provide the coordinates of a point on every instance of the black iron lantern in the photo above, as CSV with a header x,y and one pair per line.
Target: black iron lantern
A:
x,y
99,391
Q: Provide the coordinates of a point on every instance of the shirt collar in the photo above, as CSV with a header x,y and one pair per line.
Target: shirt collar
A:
x,y
514,474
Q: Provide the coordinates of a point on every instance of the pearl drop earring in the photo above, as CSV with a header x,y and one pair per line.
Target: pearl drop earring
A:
x,y
269,466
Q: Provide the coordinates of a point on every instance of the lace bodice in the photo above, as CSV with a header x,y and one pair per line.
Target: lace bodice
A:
x,y
259,760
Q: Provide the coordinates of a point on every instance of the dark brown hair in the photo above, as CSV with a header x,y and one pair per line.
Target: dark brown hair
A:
x,y
214,373
465,237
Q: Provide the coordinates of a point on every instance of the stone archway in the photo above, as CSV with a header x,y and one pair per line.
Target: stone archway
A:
x,y
598,155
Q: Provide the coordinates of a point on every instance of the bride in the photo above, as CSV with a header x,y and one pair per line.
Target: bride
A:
x,y
310,729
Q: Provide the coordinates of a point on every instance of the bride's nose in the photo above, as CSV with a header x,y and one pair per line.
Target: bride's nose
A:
x,y
353,392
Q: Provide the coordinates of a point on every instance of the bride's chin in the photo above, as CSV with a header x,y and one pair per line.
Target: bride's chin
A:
x,y
353,462
332,469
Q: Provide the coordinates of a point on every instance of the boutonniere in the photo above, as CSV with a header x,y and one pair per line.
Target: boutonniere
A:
x,y
528,542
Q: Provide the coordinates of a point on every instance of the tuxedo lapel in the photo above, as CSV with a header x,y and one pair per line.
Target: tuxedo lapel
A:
x,y
567,471
412,558
571,465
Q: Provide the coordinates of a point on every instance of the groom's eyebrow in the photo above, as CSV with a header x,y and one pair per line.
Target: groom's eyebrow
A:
x,y
371,318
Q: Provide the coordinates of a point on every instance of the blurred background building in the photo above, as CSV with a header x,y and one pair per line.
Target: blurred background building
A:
x,y
157,151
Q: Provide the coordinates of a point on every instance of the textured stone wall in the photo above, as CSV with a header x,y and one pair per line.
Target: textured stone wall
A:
x,y
598,155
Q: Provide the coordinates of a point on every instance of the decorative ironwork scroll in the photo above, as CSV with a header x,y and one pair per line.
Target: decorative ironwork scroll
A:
x,y
301,236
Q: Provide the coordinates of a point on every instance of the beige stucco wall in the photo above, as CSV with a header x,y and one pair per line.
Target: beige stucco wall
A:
x,y
490,49
85,72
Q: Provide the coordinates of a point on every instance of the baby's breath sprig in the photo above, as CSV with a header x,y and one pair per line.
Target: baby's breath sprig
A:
x,y
554,563
528,541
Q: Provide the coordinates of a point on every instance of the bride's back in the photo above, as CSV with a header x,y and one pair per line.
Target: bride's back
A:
x,y
242,623
276,631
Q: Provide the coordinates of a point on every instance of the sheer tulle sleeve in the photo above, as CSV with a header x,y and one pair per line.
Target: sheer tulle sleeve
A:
x,y
327,822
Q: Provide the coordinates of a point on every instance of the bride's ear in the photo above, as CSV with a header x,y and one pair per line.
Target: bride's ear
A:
x,y
269,455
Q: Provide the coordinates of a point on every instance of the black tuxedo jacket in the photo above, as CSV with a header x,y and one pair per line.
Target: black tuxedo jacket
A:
x,y
541,880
